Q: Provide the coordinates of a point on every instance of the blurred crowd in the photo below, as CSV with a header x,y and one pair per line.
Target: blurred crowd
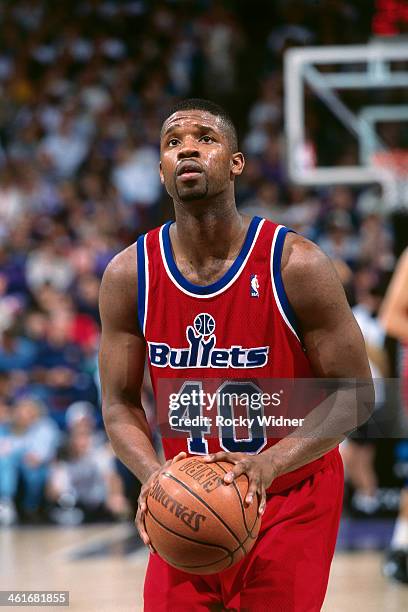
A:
x,y
84,86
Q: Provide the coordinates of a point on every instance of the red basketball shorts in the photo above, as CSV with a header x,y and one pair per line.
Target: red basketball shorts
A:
x,y
286,571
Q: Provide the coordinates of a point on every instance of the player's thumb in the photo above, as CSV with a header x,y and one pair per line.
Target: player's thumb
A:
x,y
181,455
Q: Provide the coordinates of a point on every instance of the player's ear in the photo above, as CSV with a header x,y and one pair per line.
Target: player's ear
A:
x,y
161,174
237,164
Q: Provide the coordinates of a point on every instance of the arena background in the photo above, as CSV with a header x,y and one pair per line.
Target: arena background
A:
x,y
84,87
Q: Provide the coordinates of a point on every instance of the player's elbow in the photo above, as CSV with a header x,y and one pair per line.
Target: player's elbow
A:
x,y
365,400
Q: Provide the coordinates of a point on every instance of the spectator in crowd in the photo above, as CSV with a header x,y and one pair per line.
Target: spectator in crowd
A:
x,y
339,241
65,149
28,443
83,484
8,514
83,416
49,265
266,203
16,352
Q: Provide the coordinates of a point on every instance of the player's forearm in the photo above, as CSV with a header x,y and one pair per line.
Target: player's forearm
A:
x,y
130,437
292,453
324,427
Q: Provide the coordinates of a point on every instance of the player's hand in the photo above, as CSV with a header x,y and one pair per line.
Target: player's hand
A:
x,y
258,468
142,504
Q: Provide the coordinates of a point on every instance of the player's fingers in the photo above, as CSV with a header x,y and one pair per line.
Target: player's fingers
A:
x,y
220,456
242,466
178,457
252,491
143,497
141,527
142,504
149,543
262,502
139,520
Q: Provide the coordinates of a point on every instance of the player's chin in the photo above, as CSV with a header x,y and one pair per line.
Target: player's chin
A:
x,y
190,191
193,194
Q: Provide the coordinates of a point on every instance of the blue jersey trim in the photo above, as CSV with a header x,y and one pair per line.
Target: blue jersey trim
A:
x,y
277,275
224,280
141,281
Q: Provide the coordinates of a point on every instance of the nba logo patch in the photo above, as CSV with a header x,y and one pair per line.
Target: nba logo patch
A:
x,y
254,285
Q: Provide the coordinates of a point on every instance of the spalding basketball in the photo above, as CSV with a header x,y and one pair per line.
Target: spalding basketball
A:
x,y
196,522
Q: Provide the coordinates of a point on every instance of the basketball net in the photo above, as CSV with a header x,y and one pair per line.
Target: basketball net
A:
x,y
393,167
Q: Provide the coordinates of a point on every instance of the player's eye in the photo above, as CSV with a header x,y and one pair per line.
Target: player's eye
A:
x,y
207,138
173,142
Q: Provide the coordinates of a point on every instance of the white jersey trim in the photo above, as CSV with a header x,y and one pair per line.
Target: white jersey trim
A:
x,y
280,228
225,287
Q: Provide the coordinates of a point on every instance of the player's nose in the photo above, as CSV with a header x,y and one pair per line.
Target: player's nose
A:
x,y
189,148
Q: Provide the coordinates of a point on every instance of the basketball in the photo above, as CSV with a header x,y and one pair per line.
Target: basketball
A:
x,y
196,522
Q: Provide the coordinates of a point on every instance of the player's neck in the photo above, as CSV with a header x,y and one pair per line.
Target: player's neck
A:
x,y
214,234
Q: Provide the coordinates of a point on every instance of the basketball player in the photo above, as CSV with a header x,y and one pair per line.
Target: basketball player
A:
x,y
394,318
293,322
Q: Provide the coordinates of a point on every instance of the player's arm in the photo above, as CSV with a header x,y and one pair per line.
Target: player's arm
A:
x,y
121,366
394,309
335,349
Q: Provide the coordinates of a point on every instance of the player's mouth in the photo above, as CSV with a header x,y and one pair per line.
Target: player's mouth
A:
x,y
188,170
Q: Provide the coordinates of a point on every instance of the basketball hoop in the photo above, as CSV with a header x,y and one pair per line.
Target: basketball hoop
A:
x,y
393,168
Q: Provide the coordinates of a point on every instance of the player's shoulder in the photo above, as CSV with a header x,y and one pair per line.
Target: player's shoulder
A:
x,y
302,257
122,269
307,273
118,292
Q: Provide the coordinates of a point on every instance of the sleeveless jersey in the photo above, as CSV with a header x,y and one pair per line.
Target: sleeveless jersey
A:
x,y
240,327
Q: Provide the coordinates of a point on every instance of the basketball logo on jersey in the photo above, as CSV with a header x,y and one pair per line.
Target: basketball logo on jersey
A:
x,y
204,324
254,285
202,351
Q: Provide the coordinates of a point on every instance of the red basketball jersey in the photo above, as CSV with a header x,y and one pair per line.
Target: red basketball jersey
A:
x,y
240,327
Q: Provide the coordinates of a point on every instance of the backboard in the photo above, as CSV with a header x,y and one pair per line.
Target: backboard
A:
x,y
333,74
